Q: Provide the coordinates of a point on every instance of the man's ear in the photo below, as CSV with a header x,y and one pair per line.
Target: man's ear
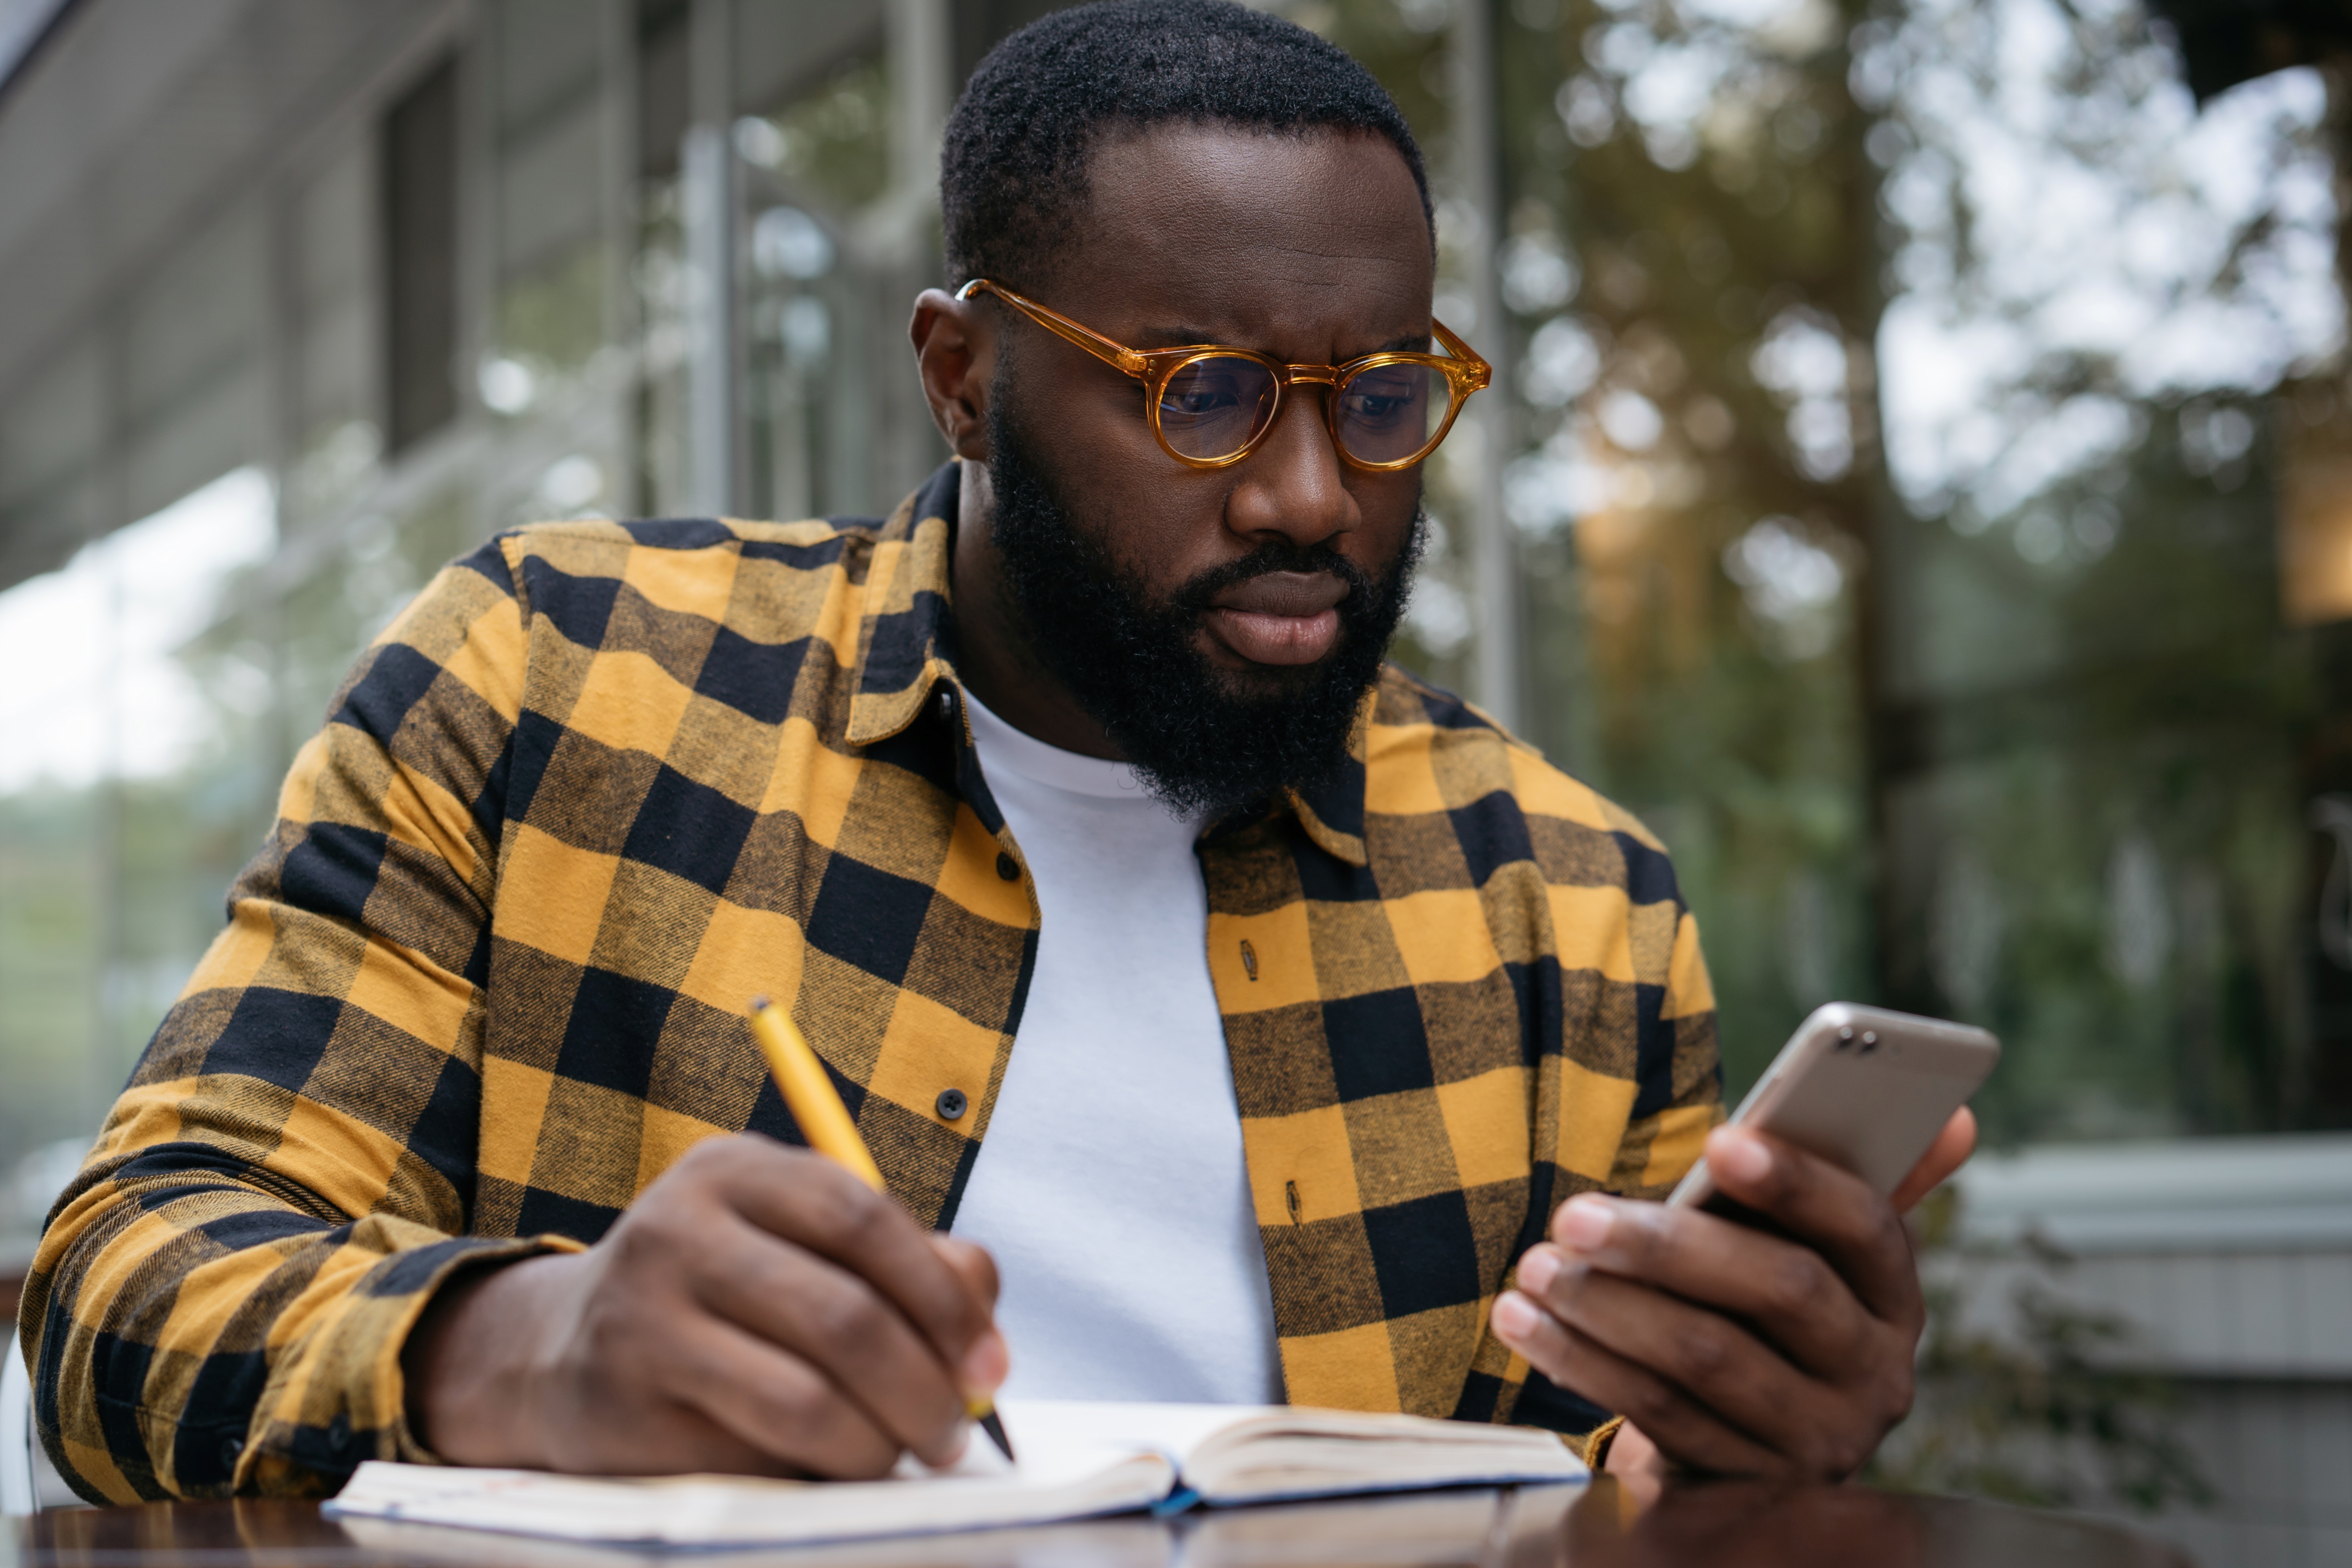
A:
x,y
955,355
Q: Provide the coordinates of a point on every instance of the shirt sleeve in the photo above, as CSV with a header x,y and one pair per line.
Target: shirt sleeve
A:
x,y
1662,1143
1636,1082
220,1299
1639,1073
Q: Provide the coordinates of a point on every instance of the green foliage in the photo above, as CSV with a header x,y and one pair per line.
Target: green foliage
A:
x,y
552,319
835,139
2038,1413
2141,708
51,920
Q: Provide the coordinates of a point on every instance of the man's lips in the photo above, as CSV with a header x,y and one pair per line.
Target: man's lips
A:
x,y
1278,618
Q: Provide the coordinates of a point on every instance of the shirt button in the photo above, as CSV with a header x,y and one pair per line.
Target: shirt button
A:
x,y
947,702
1007,866
950,1104
231,1451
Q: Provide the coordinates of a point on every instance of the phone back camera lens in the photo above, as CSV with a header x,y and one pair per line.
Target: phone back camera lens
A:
x,y
1845,1038
1869,1042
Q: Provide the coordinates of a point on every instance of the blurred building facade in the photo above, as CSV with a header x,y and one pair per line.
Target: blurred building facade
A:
x,y
311,297
1917,481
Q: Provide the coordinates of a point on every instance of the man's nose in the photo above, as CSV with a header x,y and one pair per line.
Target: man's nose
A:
x,y
1290,486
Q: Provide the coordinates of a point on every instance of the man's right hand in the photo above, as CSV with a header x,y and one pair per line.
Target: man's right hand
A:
x,y
758,1311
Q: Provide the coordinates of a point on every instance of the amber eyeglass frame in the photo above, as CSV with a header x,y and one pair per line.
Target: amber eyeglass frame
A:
x,y
1464,373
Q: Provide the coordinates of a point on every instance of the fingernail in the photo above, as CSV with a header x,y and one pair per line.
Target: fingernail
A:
x,y
1584,1224
986,1363
1742,1158
1538,1269
1515,1315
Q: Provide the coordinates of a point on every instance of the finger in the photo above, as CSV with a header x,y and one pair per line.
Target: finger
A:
x,y
1708,1355
807,1199
1831,1210
972,1263
986,1368
1683,1430
1946,1155
1786,1289
777,1403
842,1326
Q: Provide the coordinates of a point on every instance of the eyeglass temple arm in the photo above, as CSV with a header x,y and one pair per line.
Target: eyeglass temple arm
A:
x,y
1478,373
1061,326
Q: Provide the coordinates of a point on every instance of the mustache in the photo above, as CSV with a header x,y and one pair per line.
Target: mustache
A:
x,y
1277,555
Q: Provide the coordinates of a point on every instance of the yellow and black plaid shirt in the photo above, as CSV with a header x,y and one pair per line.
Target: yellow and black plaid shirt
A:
x,y
602,783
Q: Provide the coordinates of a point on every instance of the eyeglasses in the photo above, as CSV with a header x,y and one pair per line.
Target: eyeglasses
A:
x,y
1210,406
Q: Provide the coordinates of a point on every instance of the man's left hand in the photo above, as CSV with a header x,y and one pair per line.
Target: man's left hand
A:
x,y
1731,1351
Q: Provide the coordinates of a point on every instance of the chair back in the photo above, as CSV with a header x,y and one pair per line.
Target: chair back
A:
x,y
17,1443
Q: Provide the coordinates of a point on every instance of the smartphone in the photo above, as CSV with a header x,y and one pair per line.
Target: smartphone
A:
x,y
1862,1088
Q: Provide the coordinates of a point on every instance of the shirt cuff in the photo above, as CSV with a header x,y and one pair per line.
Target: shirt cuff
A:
x,y
341,1398
1596,1443
408,1450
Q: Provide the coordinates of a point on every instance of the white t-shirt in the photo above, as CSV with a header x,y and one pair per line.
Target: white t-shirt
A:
x,y
1110,1186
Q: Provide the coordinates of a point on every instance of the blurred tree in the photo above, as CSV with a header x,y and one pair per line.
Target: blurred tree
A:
x,y
1693,264
1991,712
2091,819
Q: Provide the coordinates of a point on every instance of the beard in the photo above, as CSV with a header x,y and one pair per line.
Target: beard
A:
x,y
1204,742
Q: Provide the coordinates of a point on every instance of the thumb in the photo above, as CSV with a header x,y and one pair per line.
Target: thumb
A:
x,y
987,1362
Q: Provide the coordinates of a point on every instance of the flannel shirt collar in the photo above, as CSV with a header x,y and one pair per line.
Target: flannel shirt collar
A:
x,y
908,647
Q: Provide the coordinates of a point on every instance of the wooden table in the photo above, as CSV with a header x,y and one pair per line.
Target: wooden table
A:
x,y
1722,1526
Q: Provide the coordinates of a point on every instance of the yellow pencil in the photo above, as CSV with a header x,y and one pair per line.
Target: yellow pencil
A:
x,y
824,1122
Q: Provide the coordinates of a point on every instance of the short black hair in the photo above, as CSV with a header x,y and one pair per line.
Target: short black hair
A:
x,y
1012,167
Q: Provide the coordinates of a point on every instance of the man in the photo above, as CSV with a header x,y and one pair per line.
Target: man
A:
x,y
458,1145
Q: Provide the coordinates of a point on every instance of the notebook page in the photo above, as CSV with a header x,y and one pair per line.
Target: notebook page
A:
x,y
1234,1453
1304,1453
1059,1435
1066,1479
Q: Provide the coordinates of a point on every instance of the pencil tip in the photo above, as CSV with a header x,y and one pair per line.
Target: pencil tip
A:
x,y
757,1003
993,1425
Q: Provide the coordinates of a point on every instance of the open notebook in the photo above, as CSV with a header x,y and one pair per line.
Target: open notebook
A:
x,y
1078,1461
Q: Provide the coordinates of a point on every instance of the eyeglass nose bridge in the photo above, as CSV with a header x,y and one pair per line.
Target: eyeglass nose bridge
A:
x,y
1307,375
1287,376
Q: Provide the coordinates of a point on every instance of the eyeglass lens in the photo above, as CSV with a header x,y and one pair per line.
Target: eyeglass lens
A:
x,y
1389,413
1213,407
